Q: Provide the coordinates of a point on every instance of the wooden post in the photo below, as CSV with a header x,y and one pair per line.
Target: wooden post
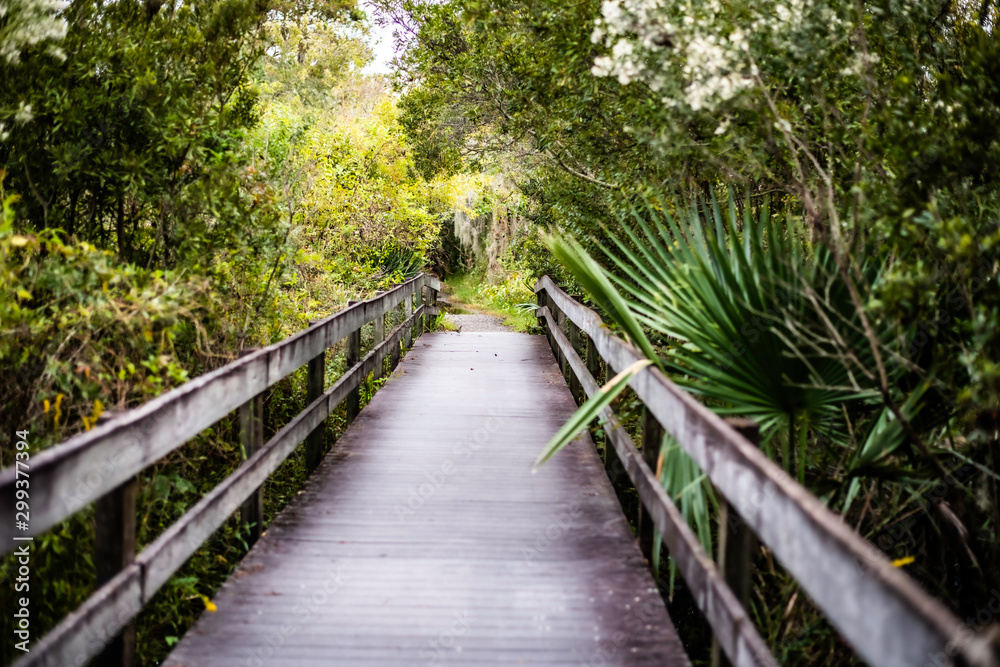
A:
x,y
594,367
430,298
378,335
395,354
408,330
251,424
422,298
114,550
543,302
594,362
560,318
353,357
736,542
652,439
554,312
315,386
574,382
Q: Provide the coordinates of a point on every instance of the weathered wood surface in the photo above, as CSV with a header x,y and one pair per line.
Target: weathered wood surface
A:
x,y
251,425
315,384
91,464
424,538
734,632
879,610
114,551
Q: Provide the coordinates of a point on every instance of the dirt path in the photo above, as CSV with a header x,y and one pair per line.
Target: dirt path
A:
x,y
477,322
467,318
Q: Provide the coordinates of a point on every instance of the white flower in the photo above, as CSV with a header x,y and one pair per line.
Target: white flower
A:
x,y
622,47
602,66
23,114
29,22
596,36
612,13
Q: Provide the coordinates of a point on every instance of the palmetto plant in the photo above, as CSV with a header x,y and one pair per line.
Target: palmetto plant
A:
x,y
396,260
755,320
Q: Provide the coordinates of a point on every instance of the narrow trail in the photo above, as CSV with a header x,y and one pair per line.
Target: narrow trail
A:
x,y
470,318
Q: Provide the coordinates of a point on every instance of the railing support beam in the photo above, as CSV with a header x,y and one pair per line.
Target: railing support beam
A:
x,y
378,335
251,425
114,550
652,439
430,298
315,386
407,311
353,356
736,543
574,382
560,355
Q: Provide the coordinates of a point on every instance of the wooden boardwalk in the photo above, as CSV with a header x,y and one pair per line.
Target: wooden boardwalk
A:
x,y
424,538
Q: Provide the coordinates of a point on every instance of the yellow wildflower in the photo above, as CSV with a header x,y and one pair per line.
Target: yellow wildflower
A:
x,y
58,410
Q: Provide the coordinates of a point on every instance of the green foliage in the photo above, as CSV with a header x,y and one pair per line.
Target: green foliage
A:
x,y
766,334
81,332
134,136
508,86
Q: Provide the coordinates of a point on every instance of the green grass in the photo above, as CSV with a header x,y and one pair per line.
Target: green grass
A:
x,y
472,292
441,323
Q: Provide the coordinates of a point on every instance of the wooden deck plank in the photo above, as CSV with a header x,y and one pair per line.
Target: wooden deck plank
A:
x,y
425,538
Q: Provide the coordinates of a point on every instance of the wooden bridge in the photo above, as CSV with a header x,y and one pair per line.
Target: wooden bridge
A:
x,y
424,537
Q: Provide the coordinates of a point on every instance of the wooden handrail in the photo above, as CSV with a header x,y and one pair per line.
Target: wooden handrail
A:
x,y
86,631
884,615
738,638
79,471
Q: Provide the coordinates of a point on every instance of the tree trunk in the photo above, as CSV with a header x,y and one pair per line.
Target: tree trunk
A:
x,y
71,223
120,229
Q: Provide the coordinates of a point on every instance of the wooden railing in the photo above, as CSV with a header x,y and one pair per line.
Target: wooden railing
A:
x,y
101,465
887,619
